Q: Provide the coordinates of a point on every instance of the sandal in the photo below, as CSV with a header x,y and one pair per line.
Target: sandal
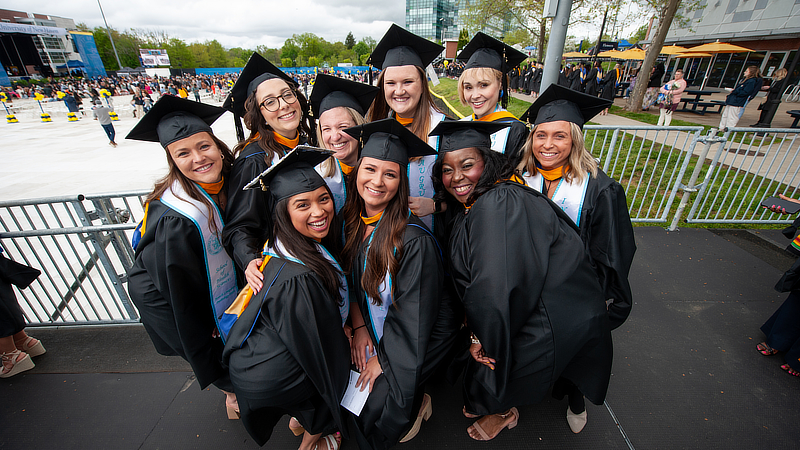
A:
x,y
331,441
14,363
31,346
425,411
765,349
790,371
295,427
511,424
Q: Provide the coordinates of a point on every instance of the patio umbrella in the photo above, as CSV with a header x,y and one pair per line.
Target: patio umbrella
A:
x,y
715,48
672,49
574,55
634,53
692,55
609,54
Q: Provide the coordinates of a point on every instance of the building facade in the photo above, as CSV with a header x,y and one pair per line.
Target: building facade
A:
x,y
436,20
771,28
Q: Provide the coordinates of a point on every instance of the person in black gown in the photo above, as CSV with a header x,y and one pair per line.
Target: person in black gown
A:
x,y
556,163
532,300
276,114
400,312
182,279
286,349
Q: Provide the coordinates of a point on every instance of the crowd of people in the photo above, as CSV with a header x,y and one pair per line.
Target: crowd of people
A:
x,y
360,227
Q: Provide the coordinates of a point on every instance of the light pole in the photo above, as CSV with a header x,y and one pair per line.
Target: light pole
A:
x,y
108,30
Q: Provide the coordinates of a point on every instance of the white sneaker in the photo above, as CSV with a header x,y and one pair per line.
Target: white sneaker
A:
x,y
576,421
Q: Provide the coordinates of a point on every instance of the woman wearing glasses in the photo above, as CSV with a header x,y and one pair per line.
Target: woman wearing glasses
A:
x,y
275,113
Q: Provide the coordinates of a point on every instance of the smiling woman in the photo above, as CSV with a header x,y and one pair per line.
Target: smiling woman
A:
x,y
181,280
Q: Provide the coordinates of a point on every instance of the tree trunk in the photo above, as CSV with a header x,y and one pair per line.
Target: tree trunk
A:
x,y
642,80
600,38
542,31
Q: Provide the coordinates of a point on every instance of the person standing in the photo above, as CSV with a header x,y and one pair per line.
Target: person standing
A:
x,y
773,98
736,101
16,347
610,82
672,98
101,114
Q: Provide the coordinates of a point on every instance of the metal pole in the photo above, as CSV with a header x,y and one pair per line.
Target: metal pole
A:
x,y
555,46
692,187
108,30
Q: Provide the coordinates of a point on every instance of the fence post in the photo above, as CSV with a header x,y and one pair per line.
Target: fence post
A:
x,y
708,140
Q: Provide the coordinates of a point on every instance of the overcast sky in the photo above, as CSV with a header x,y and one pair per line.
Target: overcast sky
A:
x,y
234,23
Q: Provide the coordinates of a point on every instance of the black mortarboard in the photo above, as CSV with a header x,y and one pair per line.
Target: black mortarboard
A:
x,y
293,174
458,134
486,51
256,71
399,47
388,140
332,92
561,103
172,119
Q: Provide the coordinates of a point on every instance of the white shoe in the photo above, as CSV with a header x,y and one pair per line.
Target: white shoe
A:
x,y
576,421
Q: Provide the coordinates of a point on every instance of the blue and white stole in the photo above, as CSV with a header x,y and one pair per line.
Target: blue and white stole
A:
x,y
336,183
568,196
500,138
278,247
220,271
377,313
420,183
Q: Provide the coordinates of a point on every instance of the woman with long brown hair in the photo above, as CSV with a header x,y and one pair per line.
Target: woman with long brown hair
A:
x,y
276,114
739,97
286,349
395,270
182,280
404,95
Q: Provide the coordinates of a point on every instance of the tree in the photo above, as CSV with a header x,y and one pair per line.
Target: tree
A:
x,y
179,53
361,50
272,55
463,38
349,41
638,35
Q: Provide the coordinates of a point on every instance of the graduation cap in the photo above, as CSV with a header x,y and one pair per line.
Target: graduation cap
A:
x,y
399,47
332,92
293,174
486,51
561,103
256,71
173,118
466,134
388,140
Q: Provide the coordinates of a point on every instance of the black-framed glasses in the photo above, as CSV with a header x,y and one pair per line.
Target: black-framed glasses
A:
x,y
273,104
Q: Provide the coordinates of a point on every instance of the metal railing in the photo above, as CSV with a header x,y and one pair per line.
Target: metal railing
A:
x,y
82,246
746,166
82,243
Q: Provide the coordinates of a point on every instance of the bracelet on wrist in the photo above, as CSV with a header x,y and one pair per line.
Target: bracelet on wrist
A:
x,y
474,339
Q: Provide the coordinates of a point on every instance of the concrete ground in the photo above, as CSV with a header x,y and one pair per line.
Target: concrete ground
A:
x,y
686,373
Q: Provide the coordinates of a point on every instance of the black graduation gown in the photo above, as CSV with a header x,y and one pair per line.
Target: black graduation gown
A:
x,y
169,286
248,221
287,354
609,85
590,83
532,299
575,80
607,232
536,80
418,334
12,320
563,80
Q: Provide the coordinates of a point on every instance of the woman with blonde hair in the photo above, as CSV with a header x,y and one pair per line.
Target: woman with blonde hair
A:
x,y
556,163
483,87
773,99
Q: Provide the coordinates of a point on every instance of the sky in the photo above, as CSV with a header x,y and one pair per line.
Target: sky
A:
x,y
234,23
244,23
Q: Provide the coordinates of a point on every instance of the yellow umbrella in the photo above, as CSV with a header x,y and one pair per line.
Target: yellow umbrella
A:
x,y
634,53
610,54
692,55
574,55
672,49
718,47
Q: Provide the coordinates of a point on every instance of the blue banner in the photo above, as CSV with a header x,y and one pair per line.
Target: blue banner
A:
x,y
88,51
4,80
217,70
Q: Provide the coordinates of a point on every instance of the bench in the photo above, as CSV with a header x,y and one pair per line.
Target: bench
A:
x,y
796,114
704,105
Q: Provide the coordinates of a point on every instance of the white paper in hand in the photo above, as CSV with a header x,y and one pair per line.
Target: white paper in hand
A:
x,y
354,399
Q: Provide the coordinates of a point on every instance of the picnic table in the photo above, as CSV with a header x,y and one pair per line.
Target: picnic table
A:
x,y
697,102
796,114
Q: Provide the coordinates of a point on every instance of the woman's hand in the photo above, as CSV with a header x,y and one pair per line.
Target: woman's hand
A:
x,y
370,373
782,210
476,350
361,344
254,276
421,206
